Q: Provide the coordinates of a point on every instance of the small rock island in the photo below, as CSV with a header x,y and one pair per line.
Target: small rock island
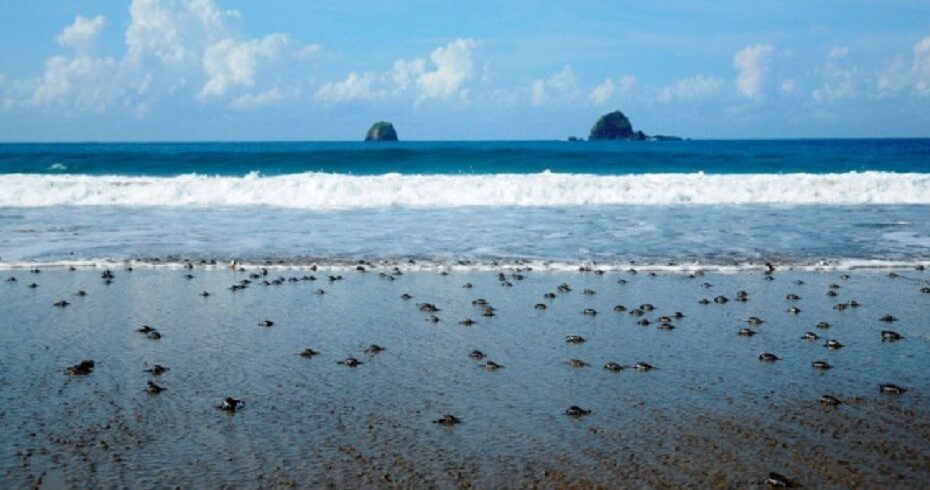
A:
x,y
381,131
616,126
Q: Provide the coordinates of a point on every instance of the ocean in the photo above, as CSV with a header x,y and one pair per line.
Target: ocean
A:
x,y
714,204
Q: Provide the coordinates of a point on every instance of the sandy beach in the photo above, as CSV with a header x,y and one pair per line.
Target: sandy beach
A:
x,y
709,413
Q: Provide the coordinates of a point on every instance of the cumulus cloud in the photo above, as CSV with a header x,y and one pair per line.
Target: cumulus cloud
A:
x,y
170,45
452,66
901,75
841,77
696,87
561,86
354,87
603,92
81,34
751,64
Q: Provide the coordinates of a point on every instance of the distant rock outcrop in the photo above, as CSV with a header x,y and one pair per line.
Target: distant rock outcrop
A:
x,y
381,131
616,126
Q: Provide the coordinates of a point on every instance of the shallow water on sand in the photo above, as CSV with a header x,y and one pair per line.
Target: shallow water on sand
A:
x,y
710,412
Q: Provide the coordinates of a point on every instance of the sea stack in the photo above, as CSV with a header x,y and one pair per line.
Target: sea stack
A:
x,y
614,126
381,131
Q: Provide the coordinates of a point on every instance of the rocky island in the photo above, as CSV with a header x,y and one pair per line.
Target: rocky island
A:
x,y
381,131
616,126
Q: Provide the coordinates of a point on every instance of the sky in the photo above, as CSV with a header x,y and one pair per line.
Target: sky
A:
x,y
178,70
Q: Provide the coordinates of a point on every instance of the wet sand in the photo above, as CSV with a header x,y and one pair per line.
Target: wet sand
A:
x,y
710,414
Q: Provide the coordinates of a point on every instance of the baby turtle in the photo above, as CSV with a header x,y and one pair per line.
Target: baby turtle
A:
x,y
833,344
613,367
467,285
564,288
754,320
153,389
746,332
888,319
540,306
577,363
33,286
821,365
589,312
432,319
643,366
777,480
350,362
308,353
157,370
619,308
374,349
830,400
890,336
447,420
637,312
794,310
205,294
574,339
589,292
549,296
768,357
145,329
665,326
82,368
704,301
467,322
61,304
891,389
810,336
792,297
405,296
721,300
231,404
154,335
476,355
823,325
831,293
491,366
265,323
647,307
576,411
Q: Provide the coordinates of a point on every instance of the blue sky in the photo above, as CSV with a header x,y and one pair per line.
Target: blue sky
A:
x,y
324,70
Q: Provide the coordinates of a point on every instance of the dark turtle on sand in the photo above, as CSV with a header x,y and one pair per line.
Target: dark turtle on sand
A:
x,y
427,307
637,312
890,336
721,300
188,276
405,296
777,480
810,336
154,335
746,332
577,363
564,288
925,290
319,291
665,326
153,389
432,319
613,367
80,292
853,303
840,306
794,310
833,344
467,285
643,322
768,357
350,362
467,321
589,312
549,295
799,282
754,320
487,311
479,302
647,307
265,323
664,319
11,279
831,293
574,339
619,308
643,366
891,389
621,281
678,315
32,285
231,404
61,304
374,349
308,353
205,294
447,420
476,355
830,400
887,319
704,301
821,365
742,295
82,368
491,366
834,286
157,370
576,411
145,329
589,292
540,306
823,325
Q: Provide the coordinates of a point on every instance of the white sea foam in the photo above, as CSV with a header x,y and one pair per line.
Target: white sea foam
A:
x,y
340,191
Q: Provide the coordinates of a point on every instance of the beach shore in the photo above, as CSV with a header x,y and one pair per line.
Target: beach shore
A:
x,y
709,413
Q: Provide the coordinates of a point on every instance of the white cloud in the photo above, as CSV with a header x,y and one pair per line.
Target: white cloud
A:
x,y
263,99
751,64
838,52
562,86
921,66
354,87
453,65
693,88
602,93
841,77
81,34
788,86
229,63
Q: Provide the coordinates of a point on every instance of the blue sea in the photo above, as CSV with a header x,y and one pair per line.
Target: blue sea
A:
x,y
711,204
